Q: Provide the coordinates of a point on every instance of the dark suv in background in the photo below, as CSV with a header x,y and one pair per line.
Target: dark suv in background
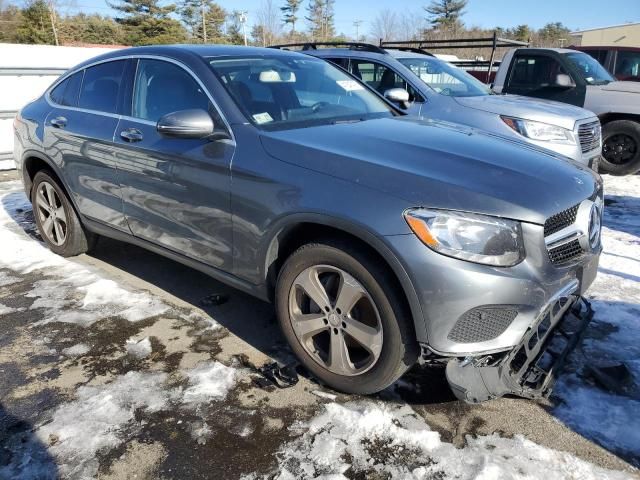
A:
x,y
382,240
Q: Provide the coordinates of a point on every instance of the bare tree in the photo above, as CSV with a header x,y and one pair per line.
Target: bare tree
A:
x,y
411,25
268,22
385,26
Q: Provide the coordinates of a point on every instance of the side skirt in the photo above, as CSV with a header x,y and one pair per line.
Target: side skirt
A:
x,y
259,291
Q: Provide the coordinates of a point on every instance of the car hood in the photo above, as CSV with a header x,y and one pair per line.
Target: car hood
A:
x,y
627,87
538,110
439,165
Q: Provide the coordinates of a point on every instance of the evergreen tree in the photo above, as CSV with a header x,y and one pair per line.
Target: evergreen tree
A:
x,y
147,22
445,14
320,16
83,28
235,36
35,24
10,19
289,14
207,29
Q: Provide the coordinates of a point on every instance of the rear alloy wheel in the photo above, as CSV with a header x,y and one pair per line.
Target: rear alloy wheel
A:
x,y
56,219
621,147
343,318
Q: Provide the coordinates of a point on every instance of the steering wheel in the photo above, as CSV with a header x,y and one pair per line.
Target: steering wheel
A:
x,y
318,105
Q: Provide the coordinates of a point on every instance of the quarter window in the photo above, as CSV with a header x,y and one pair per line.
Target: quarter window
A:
x,y
100,87
162,87
66,93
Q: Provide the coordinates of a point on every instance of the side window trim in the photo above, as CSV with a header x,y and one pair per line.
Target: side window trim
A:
x,y
120,116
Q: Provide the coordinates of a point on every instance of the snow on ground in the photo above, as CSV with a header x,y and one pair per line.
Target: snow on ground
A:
x,y
138,348
381,440
76,350
68,291
609,419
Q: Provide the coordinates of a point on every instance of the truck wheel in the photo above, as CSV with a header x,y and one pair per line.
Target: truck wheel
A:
x,y
621,147
57,222
342,317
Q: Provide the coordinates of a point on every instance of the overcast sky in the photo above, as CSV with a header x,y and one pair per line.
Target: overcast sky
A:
x,y
576,14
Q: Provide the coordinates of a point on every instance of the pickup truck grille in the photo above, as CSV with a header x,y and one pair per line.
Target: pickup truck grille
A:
x,y
589,135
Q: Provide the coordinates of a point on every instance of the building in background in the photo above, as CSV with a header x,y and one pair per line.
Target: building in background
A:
x,y
626,35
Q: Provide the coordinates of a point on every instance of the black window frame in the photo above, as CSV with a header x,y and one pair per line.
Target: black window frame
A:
x,y
525,55
415,95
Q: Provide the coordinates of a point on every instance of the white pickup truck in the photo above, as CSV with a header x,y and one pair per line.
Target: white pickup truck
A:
x,y
575,77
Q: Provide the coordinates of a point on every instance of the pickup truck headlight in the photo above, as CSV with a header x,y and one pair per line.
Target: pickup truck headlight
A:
x,y
467,236
542,132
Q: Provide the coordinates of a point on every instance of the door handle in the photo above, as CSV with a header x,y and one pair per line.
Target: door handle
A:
x,y
59,122
131,135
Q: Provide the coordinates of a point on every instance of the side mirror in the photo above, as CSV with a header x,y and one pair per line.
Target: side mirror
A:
x,y
195,123
399,96
564,81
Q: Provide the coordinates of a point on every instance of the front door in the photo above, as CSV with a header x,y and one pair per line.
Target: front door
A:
x,y
534,75
176,191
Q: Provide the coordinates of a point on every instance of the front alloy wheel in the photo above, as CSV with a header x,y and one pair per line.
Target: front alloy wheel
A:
x,y
335,320
344,316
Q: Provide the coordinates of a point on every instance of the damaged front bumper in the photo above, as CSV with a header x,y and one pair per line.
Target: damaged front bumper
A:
x,y
531,368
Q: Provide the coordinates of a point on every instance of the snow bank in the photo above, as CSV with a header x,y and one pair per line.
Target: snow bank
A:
x,y
209,381
139,348
376,440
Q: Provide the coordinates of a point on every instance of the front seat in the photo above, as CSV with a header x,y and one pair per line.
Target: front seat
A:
x,y
387,81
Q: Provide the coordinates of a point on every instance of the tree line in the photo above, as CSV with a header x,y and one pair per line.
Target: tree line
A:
x,y
144,22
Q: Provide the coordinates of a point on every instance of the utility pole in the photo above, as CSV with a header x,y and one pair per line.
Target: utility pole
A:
x,y
357,24
242,17
204,22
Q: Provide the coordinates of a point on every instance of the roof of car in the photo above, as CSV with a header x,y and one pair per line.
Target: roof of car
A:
x,y
397,53
182,50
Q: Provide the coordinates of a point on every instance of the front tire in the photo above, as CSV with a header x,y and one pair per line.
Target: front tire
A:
x,y
56,219
344,318
621,147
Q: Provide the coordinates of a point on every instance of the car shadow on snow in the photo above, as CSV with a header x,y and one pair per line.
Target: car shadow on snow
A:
x,y
622,213
22,454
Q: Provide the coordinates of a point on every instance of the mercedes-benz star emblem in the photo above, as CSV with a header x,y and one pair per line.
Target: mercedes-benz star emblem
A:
x,y
595,226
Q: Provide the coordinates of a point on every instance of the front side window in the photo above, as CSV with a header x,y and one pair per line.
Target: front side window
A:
x,y
627,65
535,71
381,78
289,92
162,87
100,87
591,71
445,78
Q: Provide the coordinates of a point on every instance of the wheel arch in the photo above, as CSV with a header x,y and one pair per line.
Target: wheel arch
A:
x,y
32,163
299,229
612,117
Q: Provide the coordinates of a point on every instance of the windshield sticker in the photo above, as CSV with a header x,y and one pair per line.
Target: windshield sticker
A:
x,y
262,118
350,85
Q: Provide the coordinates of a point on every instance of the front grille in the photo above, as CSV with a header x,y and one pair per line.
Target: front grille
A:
x,y
566,252
481,324
589,136
561,220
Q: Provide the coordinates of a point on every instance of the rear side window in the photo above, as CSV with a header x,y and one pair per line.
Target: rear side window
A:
x,y
67,92
162,87
100,87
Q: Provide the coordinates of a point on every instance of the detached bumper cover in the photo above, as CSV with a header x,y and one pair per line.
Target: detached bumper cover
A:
x,y
531,368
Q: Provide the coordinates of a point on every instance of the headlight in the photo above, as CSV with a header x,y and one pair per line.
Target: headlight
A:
x,y
467,236
542,132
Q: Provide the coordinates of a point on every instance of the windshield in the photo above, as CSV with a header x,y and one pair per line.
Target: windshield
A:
x,y
289,92
445,78
592,72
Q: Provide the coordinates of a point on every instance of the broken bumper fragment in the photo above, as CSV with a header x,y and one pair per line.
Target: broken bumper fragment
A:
x,y
531,368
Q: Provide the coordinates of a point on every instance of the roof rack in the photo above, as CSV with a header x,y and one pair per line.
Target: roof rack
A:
x,y
411,49
492,42
367,47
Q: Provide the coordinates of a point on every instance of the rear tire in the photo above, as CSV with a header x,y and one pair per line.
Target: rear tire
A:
x,y
621,147
378,316
56,219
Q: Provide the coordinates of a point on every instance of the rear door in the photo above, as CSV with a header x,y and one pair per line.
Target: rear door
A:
x,y
79,134
176,191
533,74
